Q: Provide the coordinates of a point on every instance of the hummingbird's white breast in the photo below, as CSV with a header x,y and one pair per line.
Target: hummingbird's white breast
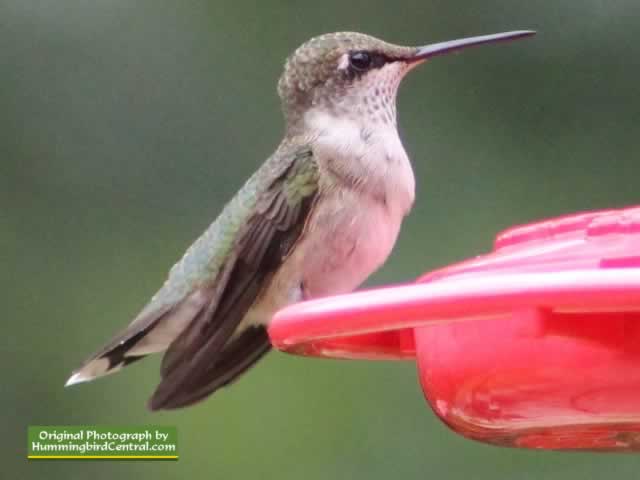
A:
x,y
368,156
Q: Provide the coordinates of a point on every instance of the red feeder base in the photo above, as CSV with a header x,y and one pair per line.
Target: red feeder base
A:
x,y
535,345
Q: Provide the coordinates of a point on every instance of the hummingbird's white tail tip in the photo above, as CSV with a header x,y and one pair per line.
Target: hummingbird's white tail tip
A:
x,y
97,367
77,377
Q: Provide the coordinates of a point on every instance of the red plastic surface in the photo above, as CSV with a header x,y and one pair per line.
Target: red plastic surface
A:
x,y
536,344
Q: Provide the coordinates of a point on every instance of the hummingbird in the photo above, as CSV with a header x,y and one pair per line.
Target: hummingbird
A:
x,y
317,218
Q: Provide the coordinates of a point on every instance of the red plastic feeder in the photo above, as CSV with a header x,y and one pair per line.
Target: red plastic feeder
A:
x,y
536,344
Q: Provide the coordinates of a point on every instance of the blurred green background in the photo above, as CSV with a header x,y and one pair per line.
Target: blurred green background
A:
x,y
125,126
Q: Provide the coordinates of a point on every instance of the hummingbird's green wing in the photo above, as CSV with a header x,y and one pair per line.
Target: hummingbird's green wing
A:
x,y
204,356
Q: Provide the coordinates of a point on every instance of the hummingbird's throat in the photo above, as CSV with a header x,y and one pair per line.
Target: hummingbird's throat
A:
x,y
369,99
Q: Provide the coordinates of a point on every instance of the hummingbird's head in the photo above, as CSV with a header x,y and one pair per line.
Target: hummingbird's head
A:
x,y
352,74
345,74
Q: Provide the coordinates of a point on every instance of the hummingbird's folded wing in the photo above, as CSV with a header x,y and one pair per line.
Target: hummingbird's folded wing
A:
x,y
237,356
198,361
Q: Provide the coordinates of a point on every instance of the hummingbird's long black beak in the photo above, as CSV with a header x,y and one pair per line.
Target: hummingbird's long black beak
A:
x,y
442,48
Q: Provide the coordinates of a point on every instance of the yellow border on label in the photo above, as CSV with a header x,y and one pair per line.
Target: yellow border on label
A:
x,y
108,457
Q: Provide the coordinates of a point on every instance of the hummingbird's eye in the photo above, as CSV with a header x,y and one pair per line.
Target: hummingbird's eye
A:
x,y
360,60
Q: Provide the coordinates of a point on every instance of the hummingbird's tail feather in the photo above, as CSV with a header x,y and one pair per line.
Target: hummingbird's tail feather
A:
x,y
118,353
234,360
151,332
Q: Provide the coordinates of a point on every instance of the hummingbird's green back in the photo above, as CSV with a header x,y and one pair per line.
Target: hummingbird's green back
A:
x,y
203,260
